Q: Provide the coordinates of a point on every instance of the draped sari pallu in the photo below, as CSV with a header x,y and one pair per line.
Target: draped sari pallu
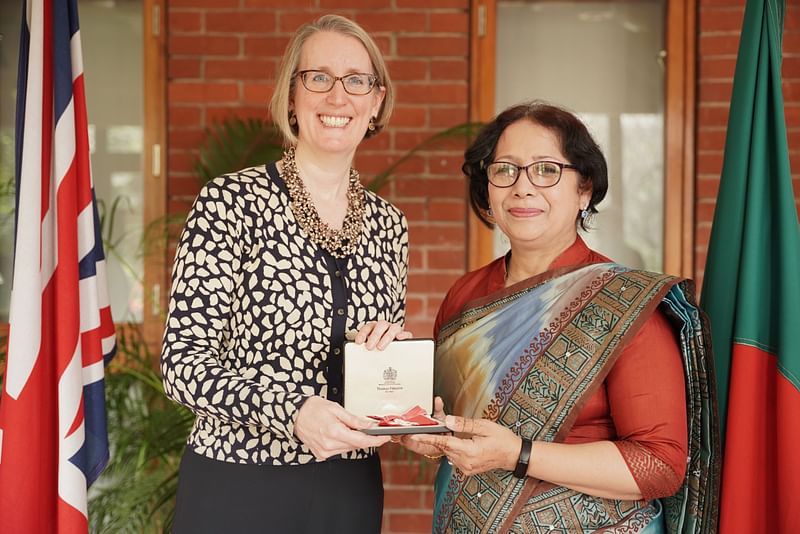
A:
x,y
529,357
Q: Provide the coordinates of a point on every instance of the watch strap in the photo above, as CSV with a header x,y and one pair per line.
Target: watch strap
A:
x,y
521,471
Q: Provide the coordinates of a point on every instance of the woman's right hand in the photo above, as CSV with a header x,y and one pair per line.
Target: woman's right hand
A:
x,y
328,429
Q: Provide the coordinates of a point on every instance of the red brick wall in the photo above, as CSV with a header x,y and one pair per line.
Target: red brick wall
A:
x,y
720,23
222,59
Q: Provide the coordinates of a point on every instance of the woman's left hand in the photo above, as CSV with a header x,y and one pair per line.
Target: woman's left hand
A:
x,y
487,445
378,334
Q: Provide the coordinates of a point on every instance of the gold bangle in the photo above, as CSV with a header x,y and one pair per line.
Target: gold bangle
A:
x,y
429,457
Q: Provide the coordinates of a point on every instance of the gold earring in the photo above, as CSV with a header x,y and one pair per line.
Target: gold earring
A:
x,y
292,120
371,126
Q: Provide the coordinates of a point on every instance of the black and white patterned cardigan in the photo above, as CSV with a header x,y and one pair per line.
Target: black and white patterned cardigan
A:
x,y
258,314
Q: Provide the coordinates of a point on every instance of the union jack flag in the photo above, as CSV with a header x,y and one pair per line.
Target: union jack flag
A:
x,y
53,441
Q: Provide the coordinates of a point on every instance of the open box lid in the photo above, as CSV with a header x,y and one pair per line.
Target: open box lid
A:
x,y
390,382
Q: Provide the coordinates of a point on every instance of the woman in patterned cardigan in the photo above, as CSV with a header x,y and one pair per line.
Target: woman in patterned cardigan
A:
x,y
274,265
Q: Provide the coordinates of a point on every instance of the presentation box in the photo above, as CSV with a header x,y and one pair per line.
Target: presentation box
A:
x,y
393,386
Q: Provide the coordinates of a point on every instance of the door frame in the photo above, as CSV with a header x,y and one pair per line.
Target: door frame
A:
x,y
154,168
679,127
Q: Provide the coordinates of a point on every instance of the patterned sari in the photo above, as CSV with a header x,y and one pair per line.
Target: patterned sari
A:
x,y
529,357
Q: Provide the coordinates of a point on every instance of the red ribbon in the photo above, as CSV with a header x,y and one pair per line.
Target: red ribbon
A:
x,y
416,416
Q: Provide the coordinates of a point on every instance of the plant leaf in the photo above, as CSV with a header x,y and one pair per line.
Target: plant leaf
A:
x,y
235,143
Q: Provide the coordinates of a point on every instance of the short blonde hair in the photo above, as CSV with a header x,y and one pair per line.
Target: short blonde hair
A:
x,y
286,80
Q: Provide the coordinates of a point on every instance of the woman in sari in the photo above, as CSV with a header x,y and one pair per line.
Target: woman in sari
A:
x,y
582,390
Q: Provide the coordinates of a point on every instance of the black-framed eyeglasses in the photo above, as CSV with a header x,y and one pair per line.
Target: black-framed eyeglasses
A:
x,y
540,173
319,81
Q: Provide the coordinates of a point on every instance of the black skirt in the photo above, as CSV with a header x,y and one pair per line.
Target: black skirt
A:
x,y
335,496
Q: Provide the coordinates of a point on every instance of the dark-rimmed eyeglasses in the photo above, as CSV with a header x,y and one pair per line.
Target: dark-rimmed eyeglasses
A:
x,y
540,173
319,81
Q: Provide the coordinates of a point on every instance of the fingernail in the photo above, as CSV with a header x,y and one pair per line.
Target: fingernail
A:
x,y
449,420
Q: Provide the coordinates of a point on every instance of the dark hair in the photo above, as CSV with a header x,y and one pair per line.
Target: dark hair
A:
x,y
577,145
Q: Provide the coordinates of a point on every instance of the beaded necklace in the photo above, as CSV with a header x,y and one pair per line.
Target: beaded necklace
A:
x,y
340,243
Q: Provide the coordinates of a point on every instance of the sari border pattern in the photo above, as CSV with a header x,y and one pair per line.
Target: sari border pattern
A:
x,y
559,509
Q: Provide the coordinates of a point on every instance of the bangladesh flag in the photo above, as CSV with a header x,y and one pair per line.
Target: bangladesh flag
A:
x,y
751,292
